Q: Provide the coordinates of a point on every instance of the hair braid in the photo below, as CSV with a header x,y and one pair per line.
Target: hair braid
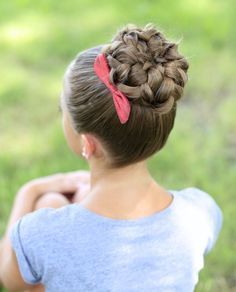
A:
x,y
147,67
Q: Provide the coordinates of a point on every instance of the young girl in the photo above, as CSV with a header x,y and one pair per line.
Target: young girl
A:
x,y
121,230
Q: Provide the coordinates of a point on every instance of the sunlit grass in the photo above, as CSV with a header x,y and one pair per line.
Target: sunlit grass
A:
x,y
14,34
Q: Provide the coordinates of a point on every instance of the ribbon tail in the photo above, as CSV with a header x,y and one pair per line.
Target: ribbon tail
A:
x,y
122,106
101,68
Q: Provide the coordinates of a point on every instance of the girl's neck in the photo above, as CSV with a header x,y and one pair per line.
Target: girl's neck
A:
x,y
127,192
137,174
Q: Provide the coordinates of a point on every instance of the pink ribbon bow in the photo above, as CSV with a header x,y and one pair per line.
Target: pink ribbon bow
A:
x,y
121,102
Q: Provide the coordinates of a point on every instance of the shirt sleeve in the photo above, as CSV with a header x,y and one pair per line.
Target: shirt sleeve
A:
x,y
28,242
213,213
215,221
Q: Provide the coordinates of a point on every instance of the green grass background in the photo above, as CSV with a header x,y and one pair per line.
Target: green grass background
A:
x,y
37,41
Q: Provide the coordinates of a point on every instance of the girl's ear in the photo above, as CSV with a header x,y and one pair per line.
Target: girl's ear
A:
x,y
88,145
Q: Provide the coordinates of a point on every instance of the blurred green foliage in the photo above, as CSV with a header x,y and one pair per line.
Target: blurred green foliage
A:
x,y
37,41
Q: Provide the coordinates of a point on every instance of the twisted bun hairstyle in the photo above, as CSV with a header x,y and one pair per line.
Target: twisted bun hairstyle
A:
x,y
150,71
147,68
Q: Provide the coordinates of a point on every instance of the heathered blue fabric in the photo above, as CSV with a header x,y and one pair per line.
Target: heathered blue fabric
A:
x,y
75,249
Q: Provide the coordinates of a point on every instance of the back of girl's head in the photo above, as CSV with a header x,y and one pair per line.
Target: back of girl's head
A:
x,y
149,70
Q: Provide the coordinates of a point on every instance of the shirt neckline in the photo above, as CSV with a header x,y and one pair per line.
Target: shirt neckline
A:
x,y
146,219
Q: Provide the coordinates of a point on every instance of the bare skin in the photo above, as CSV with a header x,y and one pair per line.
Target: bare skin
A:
x,y
126,193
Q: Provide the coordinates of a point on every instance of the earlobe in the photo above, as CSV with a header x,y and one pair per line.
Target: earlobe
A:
x,y
84,154
87,146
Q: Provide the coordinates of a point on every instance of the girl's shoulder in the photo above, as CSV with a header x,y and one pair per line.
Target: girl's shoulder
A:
x,y
203,206
199,200
196,195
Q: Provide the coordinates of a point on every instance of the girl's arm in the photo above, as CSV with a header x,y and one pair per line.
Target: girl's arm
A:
x,y
24,203
9,271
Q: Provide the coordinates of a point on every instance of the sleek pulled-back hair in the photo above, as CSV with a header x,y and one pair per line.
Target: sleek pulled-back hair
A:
x,y
148,69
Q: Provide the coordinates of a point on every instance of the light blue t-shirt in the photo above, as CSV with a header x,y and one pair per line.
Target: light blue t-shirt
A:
x,y
75,249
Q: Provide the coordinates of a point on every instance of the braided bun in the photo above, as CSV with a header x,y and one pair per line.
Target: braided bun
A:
x,y
146,67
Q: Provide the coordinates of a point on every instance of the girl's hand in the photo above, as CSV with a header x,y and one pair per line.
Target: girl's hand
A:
x,y
61,182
